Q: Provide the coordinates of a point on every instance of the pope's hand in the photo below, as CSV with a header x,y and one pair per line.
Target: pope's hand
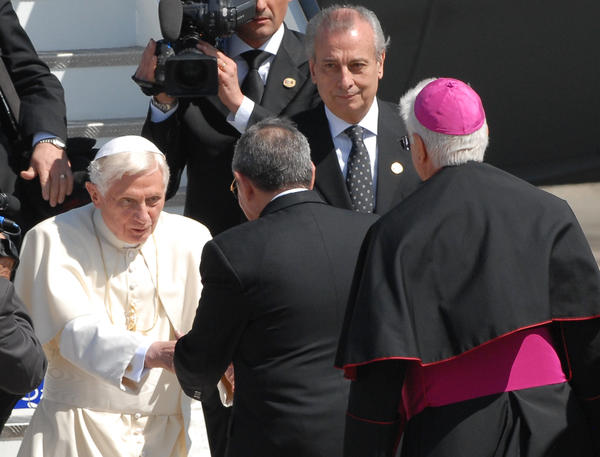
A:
x,y
160,355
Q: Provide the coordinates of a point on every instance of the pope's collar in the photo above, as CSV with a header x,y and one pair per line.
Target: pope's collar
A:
x,y
108,235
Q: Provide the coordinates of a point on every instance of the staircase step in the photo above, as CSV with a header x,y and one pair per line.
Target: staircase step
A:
x,y
102,57
107,128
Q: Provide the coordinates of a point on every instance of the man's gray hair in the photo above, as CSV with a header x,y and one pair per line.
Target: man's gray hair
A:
x,y
106,170
274,155
444,150
328,19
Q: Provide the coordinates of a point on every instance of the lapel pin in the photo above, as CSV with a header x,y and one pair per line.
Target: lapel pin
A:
x,y
397,168
289,82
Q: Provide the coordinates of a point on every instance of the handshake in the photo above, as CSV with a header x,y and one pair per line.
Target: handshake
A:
x,y
160,355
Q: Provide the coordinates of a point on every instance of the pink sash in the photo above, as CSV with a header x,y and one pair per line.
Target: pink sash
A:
x,y
517,361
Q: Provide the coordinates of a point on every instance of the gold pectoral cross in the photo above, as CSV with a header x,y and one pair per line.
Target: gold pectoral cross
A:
x,y
131,318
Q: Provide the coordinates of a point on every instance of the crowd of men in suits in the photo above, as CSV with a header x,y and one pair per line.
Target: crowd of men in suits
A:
x,y
315,158
201,133
326,82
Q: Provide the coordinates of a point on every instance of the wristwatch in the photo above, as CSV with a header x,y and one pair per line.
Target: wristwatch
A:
x,y
56,141
164,107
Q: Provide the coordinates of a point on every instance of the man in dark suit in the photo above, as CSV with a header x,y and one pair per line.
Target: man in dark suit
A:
x,y
347,51
201,132
41,123
274,294
21,355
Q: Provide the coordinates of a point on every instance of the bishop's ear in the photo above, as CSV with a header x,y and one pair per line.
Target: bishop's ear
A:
x,y
417,148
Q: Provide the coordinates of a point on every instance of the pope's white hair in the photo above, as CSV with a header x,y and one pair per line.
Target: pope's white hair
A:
x,y
106,170
443,149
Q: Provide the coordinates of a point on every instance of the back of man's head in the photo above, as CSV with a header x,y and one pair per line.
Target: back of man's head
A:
x,y
274,155
342,18
449,117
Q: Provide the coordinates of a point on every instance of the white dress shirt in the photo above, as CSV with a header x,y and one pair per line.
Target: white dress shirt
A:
x,y
343,144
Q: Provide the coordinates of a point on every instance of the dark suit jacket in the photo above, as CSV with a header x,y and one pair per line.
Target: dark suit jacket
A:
x,y
330,183
41,94
274,297
21,355
42,109
199,136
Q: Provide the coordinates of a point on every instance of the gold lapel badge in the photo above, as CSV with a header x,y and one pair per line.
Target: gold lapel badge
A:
x,y
289,83
397,168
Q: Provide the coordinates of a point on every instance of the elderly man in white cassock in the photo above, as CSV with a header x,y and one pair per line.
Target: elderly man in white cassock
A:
x,y
110,287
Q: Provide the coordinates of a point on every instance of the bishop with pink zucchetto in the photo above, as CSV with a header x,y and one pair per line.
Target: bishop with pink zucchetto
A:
x,y
473,326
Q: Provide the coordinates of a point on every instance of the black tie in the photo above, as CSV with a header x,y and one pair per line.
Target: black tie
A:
x,y
358,178
253,87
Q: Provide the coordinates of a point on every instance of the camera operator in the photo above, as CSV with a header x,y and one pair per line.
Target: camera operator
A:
x,y
21,355
201,132
40,124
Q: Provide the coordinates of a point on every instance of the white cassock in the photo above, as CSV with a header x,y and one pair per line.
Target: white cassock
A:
x,y
79,283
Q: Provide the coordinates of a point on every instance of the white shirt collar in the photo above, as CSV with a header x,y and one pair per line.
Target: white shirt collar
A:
x,y
237,46
369,122
289,191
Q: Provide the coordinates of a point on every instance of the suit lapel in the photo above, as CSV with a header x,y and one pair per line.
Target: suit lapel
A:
x,y
284,68
285,77
329,180
391,161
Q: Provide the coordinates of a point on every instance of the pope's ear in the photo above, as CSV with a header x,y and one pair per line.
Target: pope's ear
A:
x,y
93,191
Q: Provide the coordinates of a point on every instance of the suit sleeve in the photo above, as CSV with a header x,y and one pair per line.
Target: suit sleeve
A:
x,y
373,421
21,355
203,354
166,135
582,341
41,94
575,284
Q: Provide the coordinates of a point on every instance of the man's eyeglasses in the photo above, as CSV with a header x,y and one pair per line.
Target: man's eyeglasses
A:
x,y
233,188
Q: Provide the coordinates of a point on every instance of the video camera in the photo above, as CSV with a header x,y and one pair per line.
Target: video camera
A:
x,y
11,231
182,70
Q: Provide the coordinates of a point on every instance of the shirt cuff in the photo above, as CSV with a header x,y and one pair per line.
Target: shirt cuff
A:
x,y
41,136
135,370
242,116
157,115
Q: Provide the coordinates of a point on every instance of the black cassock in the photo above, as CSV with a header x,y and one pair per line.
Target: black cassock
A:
x,y
473,255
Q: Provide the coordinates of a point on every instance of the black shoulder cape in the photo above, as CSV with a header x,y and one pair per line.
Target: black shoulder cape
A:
x,y
472,255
